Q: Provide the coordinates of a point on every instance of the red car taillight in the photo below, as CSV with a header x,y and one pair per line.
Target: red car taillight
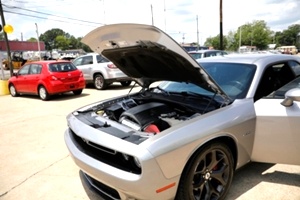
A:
x,y
111,66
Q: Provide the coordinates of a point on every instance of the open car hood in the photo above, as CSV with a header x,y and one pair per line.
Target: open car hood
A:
x,y
147,54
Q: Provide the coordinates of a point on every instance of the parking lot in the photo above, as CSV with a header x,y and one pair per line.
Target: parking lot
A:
x,y
35,163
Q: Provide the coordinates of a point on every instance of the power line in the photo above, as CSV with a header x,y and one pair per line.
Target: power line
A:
x,y
45,18
14,7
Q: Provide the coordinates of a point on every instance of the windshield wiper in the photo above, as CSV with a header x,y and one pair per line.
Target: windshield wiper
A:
x,y
162,90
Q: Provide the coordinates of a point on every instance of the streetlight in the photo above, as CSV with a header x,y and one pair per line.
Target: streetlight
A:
x,y
37,33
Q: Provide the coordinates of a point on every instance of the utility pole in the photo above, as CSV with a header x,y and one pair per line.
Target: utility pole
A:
x,y
221,25
38,40
197,33
152,15
6,41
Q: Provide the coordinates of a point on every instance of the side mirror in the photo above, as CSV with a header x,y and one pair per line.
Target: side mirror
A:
x,y
15,74
291,96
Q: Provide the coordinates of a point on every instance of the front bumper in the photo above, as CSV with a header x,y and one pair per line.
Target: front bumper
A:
x,y
119,184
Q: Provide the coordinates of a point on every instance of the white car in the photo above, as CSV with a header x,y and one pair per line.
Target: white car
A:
x,y
100,71
185,138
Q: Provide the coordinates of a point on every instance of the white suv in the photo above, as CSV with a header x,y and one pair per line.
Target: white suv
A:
x,y
100,71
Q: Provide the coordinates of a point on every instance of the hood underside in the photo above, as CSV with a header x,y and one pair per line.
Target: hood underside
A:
x,y
147,54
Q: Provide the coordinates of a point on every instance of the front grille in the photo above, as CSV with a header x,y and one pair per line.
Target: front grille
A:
x,y
109,192
105,155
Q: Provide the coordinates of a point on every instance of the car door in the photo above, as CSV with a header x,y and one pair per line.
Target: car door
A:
x,y
85,64
21,79
34,77
277,134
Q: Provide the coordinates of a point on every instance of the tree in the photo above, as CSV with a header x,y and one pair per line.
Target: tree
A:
x,y
32,39
61,42
254,34
289,36
49,38
215,42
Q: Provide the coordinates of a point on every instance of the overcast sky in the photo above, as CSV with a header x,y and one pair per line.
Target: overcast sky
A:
x,y
178,18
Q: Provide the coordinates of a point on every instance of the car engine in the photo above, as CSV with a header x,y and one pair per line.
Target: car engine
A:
x,y
151,116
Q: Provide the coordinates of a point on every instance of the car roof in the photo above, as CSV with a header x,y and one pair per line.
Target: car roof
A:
x,y
48,61
205,50
257,59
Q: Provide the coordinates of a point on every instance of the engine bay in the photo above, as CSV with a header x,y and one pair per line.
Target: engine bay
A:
x,y
147,116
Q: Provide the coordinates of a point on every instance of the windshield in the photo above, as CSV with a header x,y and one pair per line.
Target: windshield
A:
x,y
196,55
234,79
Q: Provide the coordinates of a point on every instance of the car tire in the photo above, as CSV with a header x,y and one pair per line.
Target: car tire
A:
x,y
43,93
99,82
125,83
13,91
77,92
208,174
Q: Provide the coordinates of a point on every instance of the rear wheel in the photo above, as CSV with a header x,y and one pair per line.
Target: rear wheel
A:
x,y
12,90
99,82
125,83
77,92
208,175
43,94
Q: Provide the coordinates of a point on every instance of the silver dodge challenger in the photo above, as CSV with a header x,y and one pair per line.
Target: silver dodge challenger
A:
x,y
184,137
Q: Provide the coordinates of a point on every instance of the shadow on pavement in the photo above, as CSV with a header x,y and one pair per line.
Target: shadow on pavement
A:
x,y
252,174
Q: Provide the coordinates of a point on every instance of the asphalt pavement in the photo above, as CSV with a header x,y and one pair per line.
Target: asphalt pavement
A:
x,y
35,163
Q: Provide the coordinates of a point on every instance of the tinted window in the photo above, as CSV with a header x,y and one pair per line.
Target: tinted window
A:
x,y
101,59
87,60
196,55
78,61
61,67
279,94
35,69
295,66
234,80
24,70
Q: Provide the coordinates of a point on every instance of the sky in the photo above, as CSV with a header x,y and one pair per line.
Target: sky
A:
x,y
184,20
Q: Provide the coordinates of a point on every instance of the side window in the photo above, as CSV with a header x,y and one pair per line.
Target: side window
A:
x,y
295,66
35,69
77,62
24,70
87,60
101,59
273,78
279,94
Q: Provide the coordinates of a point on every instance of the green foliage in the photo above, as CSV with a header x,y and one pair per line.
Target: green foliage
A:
x,y
215,42
257,34
58,39
32,39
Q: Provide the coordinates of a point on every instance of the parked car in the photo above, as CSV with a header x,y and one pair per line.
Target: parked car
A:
x,y
185,138
207,53
100,71
46,78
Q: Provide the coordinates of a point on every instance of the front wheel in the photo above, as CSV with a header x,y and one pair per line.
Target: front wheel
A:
x,y
43,94
125,83
12,90
208,175
99,82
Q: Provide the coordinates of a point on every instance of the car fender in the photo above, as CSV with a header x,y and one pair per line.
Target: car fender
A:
x,y
236,121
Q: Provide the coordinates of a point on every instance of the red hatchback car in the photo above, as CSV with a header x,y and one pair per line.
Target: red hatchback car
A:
x,y
46,78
